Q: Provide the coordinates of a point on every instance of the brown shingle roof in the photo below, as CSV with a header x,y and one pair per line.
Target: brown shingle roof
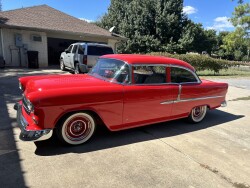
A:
x,y
44,17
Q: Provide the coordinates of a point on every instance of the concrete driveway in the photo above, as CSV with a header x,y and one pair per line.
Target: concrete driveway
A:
x,y
214,153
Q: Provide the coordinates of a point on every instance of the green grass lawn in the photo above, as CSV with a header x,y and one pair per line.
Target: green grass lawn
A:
x,y
233,72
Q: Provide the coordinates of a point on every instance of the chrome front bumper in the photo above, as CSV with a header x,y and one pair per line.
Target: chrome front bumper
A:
x,y
28,135
224,104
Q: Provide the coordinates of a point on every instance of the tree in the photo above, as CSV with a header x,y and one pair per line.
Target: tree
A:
x,y
241,17
169,20
149,25
195,39
115,15
237,43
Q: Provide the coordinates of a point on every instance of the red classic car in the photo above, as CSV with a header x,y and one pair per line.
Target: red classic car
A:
x,y
121,92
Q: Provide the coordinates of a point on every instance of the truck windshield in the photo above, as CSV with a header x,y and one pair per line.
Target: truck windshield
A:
x,y
111,70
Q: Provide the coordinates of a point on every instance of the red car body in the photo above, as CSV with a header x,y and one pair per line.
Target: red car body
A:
x,y
118,105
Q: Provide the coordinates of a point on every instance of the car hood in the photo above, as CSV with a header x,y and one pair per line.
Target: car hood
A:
x,y
55,82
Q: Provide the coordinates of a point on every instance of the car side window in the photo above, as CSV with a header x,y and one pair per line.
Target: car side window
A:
x,y
180,75
99,50
149,74
74,49
81,49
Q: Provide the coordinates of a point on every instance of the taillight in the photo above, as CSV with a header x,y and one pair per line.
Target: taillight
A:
x,y
84,60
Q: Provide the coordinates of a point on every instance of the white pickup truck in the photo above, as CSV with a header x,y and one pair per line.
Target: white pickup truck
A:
x,y
80,57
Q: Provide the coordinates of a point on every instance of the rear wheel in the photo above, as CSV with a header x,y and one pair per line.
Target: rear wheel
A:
x,y
62,66
197,114
76,129
77,69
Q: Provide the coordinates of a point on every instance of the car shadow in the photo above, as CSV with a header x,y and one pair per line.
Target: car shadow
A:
x,y
104,139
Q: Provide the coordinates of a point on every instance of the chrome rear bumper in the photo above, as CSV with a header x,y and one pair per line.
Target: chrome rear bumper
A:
x,y
28,135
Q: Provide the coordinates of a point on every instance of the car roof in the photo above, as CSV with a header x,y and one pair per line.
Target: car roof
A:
x,y
148,59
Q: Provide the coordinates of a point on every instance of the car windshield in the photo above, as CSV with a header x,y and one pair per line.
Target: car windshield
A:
x,y
111,70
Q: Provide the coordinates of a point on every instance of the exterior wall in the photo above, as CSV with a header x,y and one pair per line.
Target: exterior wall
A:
x,y
113,44
11,52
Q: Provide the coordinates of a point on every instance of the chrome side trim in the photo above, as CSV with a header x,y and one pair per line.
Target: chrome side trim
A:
x,y
191,99
167,102
196,99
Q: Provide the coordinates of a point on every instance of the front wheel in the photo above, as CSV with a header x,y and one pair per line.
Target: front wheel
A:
x,y
77,129
197,114
62,66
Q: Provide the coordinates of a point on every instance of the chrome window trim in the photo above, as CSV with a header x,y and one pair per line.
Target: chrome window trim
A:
x,y
159,84
137,65
192,72
170,66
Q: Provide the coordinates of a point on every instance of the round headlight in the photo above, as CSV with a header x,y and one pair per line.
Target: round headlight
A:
x,y
30,106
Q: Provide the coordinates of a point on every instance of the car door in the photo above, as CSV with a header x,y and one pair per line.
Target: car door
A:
x,y
67,56
149,98
187,90
72,56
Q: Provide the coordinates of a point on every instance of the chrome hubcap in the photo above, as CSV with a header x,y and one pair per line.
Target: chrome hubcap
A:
x,y
78,128
198,113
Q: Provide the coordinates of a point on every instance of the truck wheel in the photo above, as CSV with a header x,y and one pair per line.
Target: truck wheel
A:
x,y
77,69
62,66
77,129
197,114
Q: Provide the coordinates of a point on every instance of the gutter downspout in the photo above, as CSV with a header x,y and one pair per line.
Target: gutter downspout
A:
x,y
2,44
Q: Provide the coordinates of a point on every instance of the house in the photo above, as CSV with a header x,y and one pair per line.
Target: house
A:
x,y
48,31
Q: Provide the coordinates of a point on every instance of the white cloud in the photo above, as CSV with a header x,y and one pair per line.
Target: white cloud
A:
x,y
189,10
221,24
87,20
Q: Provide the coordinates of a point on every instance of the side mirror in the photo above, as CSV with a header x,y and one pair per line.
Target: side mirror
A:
x,y
66,51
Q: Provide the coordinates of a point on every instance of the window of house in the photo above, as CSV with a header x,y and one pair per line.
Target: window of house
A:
x,y
180,75
36,38
149,74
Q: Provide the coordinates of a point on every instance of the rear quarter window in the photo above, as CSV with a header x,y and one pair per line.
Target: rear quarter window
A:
x,y
180,75
99,50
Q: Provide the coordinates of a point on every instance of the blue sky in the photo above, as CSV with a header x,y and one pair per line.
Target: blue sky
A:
x,y
213,14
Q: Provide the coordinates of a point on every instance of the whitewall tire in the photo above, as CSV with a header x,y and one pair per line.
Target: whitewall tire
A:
x,y
77,129
197,114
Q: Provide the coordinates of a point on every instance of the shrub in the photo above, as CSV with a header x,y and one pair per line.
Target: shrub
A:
x,y
202,62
